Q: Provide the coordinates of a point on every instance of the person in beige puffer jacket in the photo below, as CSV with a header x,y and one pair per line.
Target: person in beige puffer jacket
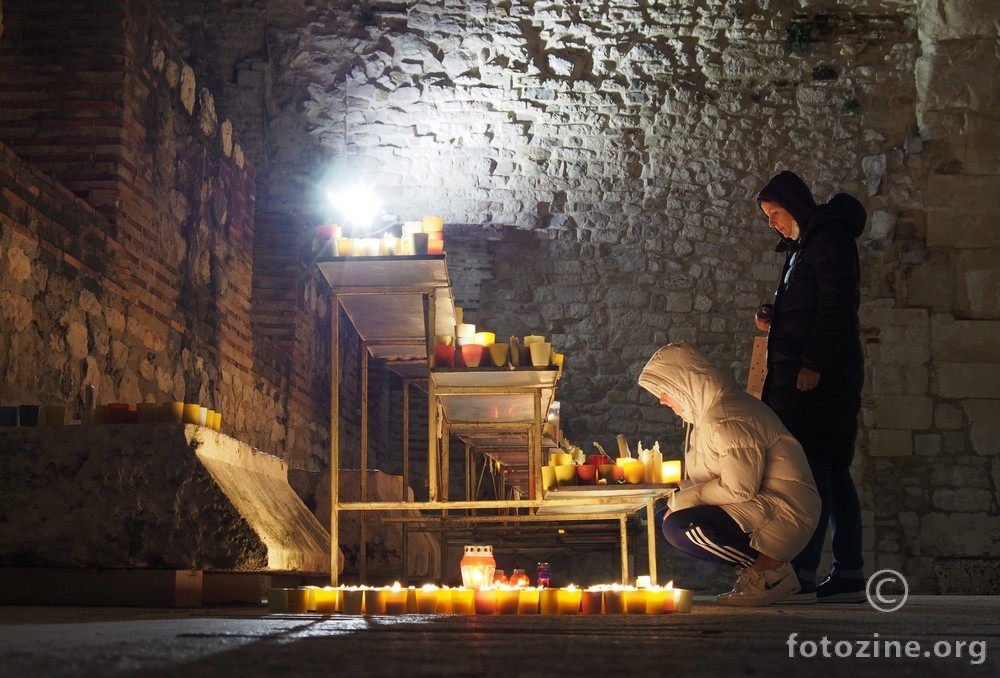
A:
x,y
749,498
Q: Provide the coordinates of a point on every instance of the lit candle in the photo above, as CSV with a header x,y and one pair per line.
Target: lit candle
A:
x,y
485,600
671,471
484,338
527,602
311,597
411,600
444,601
569,600
435,243
374,600
327,600
507,600
590,602
635,601
614,600
548,601
656,599
352,600
395,599
463,601
669,604
444,355
427,599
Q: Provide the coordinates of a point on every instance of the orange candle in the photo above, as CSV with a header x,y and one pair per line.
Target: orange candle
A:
x,y
669,604
590,602
485,600
327,600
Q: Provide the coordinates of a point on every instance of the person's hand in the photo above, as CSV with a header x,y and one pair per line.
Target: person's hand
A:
x,y
807,379
762,319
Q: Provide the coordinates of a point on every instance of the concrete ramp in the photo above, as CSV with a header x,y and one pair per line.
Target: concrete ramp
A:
x,y
157,496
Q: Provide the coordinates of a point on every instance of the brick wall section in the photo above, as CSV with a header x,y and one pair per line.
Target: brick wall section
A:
x,y
138,274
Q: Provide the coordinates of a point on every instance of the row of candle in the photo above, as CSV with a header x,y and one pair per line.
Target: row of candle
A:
x,y
418,238
430,599
147,413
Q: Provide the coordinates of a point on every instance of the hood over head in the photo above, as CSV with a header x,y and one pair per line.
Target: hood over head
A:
x,y
789,191
687,375
846,209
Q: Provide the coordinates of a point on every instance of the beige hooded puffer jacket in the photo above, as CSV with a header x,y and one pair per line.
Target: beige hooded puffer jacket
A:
x,y
741,457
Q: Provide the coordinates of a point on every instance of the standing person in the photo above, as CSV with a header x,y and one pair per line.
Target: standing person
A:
x,y
749,498
815,366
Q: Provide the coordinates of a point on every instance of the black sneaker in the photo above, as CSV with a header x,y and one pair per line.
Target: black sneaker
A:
x,y
841,590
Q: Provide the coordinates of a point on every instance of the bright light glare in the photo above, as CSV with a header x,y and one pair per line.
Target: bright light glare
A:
x,y
358,204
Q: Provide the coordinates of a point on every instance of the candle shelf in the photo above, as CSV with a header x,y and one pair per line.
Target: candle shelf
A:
x,y
398,305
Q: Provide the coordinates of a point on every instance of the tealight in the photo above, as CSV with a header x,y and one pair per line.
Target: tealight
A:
x,y
569,600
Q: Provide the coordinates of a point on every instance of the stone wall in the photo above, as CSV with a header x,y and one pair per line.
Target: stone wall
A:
x,y
127,233
609,154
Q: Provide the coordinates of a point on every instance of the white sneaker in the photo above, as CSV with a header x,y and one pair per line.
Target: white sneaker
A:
x,y
761,587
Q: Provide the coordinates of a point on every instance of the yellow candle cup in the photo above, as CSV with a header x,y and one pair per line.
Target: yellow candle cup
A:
x,y
527,602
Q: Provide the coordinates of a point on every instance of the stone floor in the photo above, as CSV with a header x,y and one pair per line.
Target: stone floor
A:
x,y
711,641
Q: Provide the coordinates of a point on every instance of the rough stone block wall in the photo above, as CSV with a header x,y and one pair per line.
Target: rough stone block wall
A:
x,y
610,153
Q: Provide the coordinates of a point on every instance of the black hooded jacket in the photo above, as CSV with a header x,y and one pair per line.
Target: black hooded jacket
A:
x,y
815,322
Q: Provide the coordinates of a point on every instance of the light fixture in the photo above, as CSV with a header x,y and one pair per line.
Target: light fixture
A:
x,y
358,205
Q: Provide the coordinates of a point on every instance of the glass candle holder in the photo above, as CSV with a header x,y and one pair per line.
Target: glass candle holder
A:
x,y
477,566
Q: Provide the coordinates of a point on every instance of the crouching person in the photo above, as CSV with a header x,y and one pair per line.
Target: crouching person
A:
x,y
749,498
